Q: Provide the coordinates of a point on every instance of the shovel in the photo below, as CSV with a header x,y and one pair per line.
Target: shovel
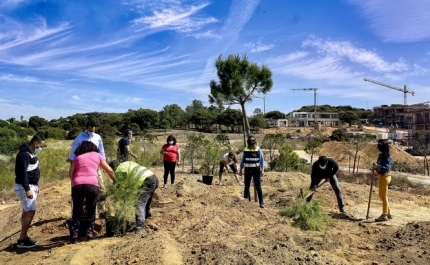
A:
x,y
305,197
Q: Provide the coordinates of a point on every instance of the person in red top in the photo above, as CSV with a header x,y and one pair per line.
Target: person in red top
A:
x,y
171,158
85,185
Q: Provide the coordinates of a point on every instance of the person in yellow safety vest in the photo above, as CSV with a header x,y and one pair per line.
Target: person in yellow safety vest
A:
x,y
146,180
253,162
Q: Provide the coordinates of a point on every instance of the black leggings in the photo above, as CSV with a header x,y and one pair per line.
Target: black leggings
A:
x,y
88,193
169,167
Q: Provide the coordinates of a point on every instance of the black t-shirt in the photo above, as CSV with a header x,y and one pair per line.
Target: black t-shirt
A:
x,y
122,144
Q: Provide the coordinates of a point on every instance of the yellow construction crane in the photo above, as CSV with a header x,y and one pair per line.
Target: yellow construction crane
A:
x,y
404,90
315,101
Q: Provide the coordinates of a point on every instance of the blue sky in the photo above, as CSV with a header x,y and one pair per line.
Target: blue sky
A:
x,y
59,58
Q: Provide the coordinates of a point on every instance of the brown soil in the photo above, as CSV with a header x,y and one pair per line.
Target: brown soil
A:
x,y
194,223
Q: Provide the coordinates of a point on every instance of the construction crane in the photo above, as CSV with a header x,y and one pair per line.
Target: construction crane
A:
x,y
404,90
315,101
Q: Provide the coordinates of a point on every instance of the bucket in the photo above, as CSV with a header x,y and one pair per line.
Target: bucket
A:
x,y
207,179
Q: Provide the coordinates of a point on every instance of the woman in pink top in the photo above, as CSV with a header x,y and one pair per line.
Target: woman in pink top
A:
x,y
85,185
171,157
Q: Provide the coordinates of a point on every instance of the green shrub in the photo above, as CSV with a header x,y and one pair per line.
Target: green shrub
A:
x,y
122,198
307,216
52,133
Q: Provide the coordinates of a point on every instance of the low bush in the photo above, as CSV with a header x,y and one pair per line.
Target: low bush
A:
x,y
307,216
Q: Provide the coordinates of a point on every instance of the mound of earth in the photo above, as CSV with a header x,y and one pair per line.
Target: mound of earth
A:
x,y
368,154
194,223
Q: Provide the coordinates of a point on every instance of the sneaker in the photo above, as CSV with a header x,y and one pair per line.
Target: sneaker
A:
x,y
343,211
262,205
381,218
165,186
34,241
74,239
389,216
220,183
90,236
25,243
138,230
240,183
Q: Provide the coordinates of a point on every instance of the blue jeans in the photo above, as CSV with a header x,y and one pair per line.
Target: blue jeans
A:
x,y
335,186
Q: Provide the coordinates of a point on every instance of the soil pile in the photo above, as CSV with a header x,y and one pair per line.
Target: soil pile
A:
x,y
194,223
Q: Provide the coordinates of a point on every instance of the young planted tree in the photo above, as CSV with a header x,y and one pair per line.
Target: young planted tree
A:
x,y
312,146
273,142
287,160
357,142
239,81
194,149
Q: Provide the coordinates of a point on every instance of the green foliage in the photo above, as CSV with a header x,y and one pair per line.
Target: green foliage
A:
x,y
312,146
3,123
230,118
274,115
7,172
211,157
53,160
339,135
257,122
52,132
287,160
223,139
36,122
122,198
307,216
273,142
239,80
194,149
10,141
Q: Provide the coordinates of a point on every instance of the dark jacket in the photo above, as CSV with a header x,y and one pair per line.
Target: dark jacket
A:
x,y
26,167
330,170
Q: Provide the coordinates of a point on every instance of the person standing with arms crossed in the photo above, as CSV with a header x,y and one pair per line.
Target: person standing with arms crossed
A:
x,y
27,175
382,168
253,162
90,135
124,146
171,157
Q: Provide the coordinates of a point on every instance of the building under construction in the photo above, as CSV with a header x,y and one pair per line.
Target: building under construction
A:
x,y
412,118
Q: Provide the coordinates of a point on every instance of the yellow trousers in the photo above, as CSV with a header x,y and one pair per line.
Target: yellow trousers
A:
x,y
384,180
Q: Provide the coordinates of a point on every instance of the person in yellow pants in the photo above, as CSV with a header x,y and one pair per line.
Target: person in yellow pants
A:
x,y
383,167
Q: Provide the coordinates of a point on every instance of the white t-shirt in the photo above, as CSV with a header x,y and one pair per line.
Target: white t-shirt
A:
x,y
225,158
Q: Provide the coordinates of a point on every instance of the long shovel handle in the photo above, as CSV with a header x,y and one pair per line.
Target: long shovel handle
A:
x,y
370,194
325,181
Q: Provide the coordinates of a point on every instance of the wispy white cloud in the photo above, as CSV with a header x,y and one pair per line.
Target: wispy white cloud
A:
x,y
240,13
345,50
17,34
177,18
26,79
259,46
397,20
210,34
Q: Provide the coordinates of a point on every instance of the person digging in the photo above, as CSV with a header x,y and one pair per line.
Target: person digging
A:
x,y
325,168
227,161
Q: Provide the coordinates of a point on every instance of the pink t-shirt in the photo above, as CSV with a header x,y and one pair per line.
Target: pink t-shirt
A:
x,y
86,169
172,152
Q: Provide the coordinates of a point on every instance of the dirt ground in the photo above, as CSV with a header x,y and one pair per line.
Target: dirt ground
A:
x,y
194,223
